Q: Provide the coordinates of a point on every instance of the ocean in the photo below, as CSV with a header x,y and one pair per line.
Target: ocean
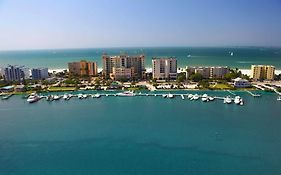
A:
x,y
242,57
141,135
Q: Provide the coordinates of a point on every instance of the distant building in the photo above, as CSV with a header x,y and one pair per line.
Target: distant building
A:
x,y
262,72
218,72
241,83
164,68
16,73
83,68
209,72
39,73
120,66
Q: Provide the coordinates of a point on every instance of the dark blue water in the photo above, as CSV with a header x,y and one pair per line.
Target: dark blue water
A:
x,y
56,59
140,135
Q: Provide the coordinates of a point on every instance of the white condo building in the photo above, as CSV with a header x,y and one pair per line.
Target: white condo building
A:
x,y
164,68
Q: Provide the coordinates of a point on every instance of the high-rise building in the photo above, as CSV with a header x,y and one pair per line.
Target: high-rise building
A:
x,y
16,73
113,66
39,73
218,72
164,68
83,68
262,72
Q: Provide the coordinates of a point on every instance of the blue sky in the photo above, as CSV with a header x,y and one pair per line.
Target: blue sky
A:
x,y
34,24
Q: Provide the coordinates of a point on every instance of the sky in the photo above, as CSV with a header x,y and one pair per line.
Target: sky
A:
x,y
50,24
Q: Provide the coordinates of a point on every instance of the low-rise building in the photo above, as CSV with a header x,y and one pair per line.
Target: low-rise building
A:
x,y
20,88
262,72
208,72
7,89
241,83
164,68
122,73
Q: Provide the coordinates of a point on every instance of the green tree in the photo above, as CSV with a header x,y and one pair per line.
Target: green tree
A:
x,y
181,77
196,77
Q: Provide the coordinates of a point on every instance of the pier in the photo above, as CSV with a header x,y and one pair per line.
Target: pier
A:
x,y
252,94
232,93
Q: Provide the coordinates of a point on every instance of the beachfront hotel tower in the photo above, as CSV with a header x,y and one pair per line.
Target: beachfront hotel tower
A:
x,y
123,67
16,73
164,68
262,72
83,68
39,73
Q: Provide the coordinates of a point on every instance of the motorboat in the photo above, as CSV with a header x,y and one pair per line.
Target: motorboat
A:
x,y
126,94
196,97
227,100
80,96
237,100
170,96
205,98
85,96
33,98
164,95
211,98
65,97
50,98
189,96
279,98
96,96
57,97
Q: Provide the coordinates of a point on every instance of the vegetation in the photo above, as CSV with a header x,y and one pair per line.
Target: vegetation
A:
x,y
56,89
181,77
222,86
196,77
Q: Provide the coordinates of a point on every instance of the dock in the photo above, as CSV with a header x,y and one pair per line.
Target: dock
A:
x,y
252,94
232,93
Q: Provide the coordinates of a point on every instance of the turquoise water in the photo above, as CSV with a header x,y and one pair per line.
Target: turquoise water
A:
x,y
56,59
140,135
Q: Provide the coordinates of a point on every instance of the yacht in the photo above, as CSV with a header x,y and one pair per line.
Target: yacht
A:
x,y
189,96
33,98
126,94
279,98
50,98
85,96
164,95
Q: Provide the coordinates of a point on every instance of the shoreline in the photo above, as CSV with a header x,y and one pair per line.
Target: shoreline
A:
x,y
149,69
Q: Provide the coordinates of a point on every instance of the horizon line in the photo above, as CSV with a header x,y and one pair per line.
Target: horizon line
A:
x,y
122,47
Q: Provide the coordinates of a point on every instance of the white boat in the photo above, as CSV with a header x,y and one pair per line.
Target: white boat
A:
x,y
211,98
80,96
164,95
65,97
189,96
96,96
57,97
279,98
227,100
126,94
237,100
205,98
85,96
196,97
33,98
170,96
241,102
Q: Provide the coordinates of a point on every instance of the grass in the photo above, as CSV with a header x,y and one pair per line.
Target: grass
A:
x,y
221,86
56,89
